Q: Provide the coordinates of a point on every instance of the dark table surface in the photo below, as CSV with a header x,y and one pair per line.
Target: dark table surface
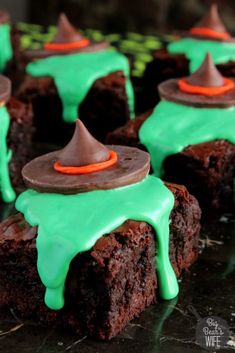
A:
x,y
207,289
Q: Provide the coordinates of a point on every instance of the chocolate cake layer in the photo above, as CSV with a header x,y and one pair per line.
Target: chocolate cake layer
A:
x,y
206,169
104,109
19,138
15,67
163,66
107,286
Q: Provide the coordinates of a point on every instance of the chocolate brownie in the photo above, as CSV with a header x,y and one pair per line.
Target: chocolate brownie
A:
x,y
162,67
107,98
15,67
19,137
107,286
128,134
206,169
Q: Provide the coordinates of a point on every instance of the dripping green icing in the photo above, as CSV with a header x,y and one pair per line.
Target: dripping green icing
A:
x,y
70,224
172,127
6,49
196,50
74,75
7,193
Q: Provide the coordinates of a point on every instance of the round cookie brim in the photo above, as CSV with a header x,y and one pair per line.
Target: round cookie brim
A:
x,y
169,90
132,166
41,53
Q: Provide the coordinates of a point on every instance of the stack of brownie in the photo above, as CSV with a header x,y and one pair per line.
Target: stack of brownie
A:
x,y
112,280
175,61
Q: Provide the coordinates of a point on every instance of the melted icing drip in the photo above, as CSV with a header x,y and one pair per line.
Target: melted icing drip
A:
x,y
82,70
7,192
195,50
70,224
172,127
6,49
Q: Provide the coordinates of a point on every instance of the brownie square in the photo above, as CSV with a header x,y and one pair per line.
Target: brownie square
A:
x,y
19,138
103,110
206,169
107,286
15,68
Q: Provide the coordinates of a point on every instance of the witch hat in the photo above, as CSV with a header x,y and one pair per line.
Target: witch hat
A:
x,y
67,40
84,165
67,36
205,87
211,26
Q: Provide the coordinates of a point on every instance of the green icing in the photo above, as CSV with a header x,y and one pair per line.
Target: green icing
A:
x,y
195,50
7,193
74,75
70,224
6,49
172,127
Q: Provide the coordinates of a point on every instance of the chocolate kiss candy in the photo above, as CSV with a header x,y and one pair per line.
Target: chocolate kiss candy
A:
x,y
83,149
66,33
207,75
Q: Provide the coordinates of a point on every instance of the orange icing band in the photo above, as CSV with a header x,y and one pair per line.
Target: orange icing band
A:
x,y
91,168
207,91
67,46
207,32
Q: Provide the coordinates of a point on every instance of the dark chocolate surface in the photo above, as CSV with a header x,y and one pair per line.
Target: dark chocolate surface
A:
x,y
162,328
132,166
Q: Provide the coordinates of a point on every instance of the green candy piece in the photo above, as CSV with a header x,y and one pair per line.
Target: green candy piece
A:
x,y
152,44
112,37
7,192
135,36
71,224
75,74
196,50
26,41
172,127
